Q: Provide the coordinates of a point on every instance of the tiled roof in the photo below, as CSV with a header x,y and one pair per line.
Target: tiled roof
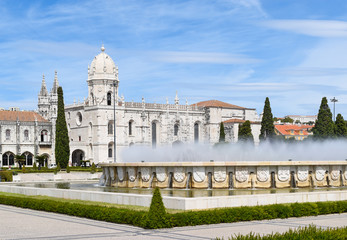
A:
x,y
216,103
286,129
235,120
22,116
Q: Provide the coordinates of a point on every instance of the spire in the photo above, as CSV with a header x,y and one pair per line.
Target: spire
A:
x,y
102,48
43,91
177,100
55,83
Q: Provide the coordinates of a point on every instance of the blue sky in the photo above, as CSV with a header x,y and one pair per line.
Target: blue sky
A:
x,y
238,51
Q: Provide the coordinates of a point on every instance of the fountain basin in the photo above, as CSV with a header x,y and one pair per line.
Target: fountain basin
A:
x,y
224,175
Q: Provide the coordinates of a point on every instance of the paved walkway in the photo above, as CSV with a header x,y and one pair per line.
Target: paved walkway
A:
x,y
18,223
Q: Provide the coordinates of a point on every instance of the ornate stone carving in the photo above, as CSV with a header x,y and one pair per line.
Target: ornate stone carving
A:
x,y
199,174
161,174
242,174
320,173
111,169
302,173
263,174
283,173
120,173
145,174
335,173
220,174
131,174
179,174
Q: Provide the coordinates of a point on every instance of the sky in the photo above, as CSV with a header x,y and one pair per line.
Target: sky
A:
x,y
237,51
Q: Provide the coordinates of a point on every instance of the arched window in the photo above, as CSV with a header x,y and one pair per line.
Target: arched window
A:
x,y
28,158
196,133
109,98
44,136
110,150
176,129
26,135
8,134
154,135
110,128
4,160
8,159
11,159
130,128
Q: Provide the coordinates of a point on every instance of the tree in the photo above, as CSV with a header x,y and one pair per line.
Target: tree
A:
x,y
20,159
41,160
340,127
245,132
62,148
324,127
221,133
157,216
288,120
267,130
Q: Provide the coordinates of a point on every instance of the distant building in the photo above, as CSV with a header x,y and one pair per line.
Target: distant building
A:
x,y
303,119
299,132
24,133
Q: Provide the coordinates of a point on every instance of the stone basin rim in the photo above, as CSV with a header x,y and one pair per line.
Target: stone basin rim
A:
x,y
211,164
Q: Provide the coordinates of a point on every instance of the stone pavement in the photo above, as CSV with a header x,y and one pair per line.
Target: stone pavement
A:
x,y
18,223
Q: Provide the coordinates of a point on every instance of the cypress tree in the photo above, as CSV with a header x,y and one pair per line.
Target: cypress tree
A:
x,y
324,126
340,127
245,132
157,216
221,133
267,130
62,148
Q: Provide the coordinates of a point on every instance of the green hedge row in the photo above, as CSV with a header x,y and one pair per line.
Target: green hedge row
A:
x,y
6,176
306,233
102,213
188,218
238,214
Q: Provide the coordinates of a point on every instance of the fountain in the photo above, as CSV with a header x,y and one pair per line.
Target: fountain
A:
x,y
204,175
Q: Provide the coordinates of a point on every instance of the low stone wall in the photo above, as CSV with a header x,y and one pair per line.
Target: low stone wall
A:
x,y
180,202
61,176
236,175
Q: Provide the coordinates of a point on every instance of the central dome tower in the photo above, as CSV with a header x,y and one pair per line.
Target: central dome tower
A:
x,y
102,80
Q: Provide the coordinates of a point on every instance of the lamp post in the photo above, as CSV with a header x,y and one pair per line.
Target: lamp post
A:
x,y
114,120
334,100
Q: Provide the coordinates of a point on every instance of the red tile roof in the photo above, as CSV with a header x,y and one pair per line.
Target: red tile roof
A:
x,y
216,103
22,116
287,128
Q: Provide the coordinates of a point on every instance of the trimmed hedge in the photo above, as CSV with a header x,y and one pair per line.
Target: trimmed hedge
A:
x,y
6,176
102,213
158,218
305,233
238,214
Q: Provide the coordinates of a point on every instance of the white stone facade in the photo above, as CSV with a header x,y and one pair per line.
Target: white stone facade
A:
x,y
24,133
90,123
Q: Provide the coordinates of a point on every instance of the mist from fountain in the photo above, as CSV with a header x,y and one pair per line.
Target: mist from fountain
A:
x,y
237,152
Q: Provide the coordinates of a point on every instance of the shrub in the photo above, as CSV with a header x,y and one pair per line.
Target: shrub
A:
x,y
68,168
34,166
302,233
6,176
93,169
157,216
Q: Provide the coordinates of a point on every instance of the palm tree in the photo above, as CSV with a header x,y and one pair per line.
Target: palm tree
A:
x,y
20,159
41,160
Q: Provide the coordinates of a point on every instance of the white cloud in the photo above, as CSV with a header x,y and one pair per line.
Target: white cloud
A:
x,y
316,28
202,57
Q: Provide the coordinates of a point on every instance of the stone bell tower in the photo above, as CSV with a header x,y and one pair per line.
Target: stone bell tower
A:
x,y
102,80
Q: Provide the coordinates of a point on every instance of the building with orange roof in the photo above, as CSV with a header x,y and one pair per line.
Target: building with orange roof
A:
x,y
95,135
298,132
